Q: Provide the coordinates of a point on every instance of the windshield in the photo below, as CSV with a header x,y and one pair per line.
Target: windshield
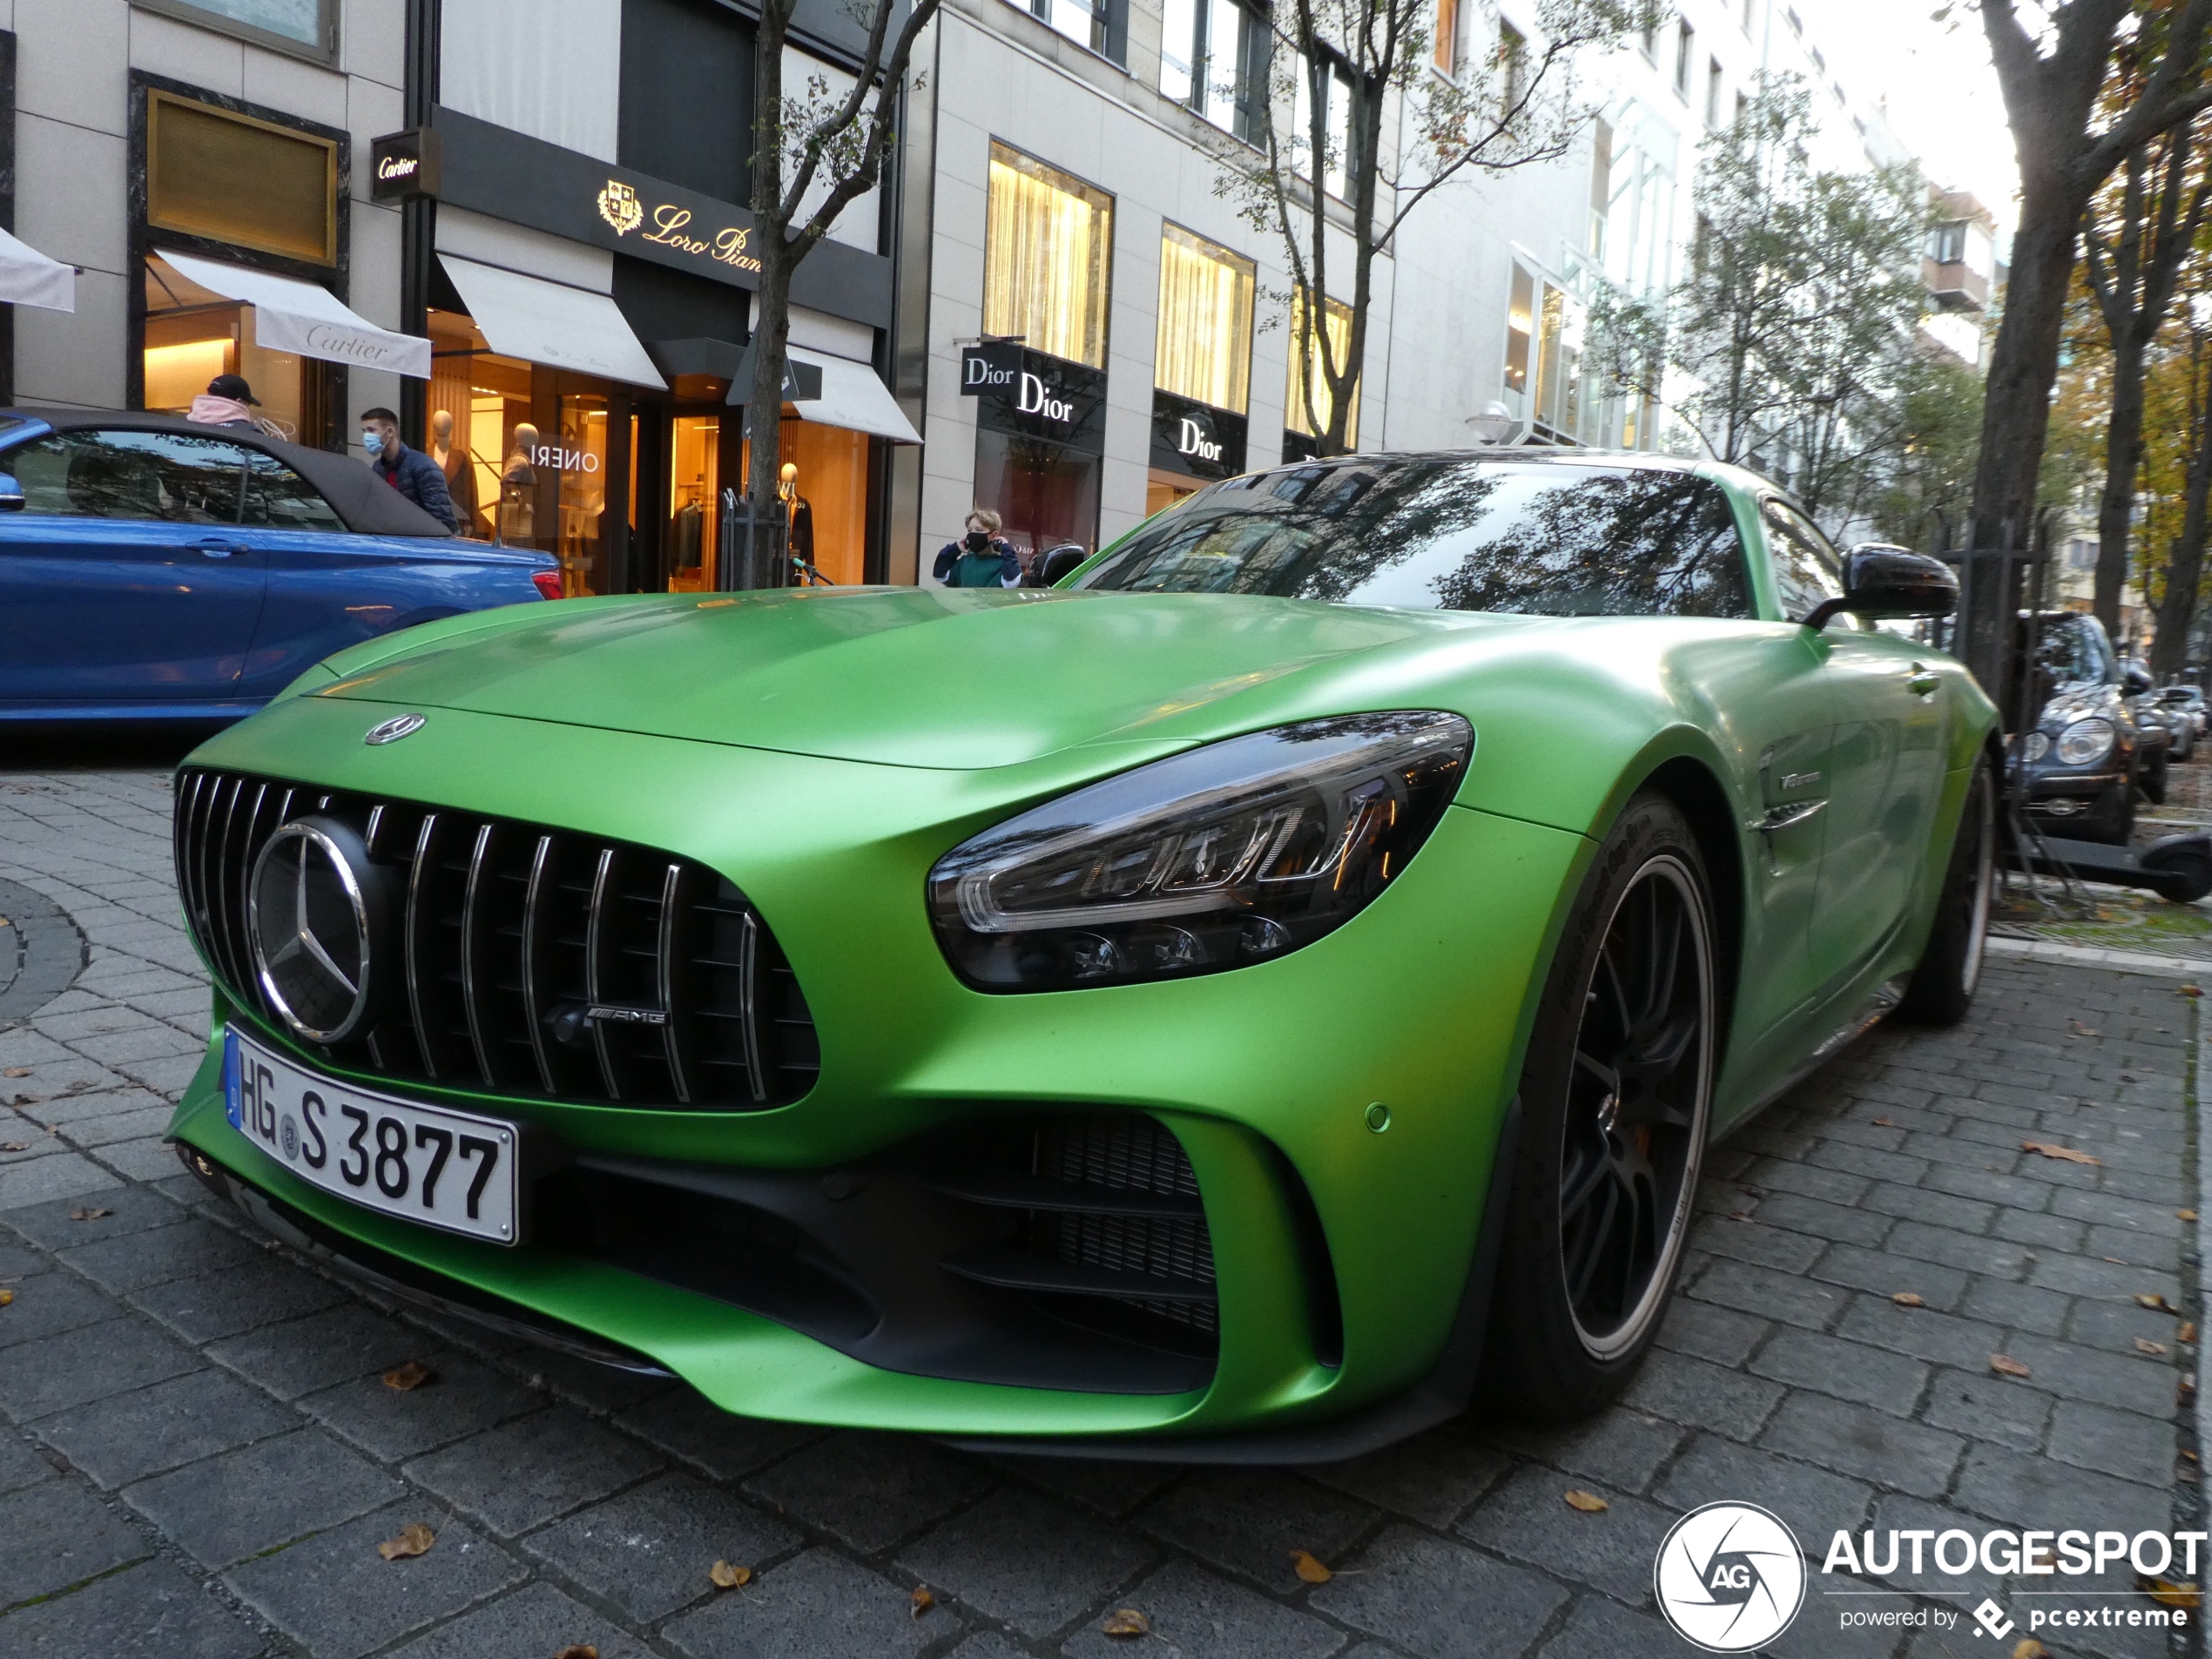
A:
x,y
1542,537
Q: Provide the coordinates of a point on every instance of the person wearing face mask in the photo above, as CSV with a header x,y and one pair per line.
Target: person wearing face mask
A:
x,y
982,558
409,471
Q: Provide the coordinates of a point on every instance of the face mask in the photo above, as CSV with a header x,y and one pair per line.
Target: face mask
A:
x,y
977,541
373,443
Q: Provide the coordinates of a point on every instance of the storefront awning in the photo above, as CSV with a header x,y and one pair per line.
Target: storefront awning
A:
x,y
546,322
29,278
853,397
306,318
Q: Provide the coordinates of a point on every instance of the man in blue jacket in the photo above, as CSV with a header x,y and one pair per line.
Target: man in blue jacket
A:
x,y
409,471
982,558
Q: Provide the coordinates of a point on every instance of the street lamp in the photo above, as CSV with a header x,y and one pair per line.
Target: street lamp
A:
x,y
1495,424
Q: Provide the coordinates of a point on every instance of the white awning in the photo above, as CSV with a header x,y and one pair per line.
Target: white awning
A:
x,y
853,397
306,318
29,278
544,322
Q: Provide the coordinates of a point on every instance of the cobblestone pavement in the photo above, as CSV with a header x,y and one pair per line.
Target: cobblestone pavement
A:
x,y
202,1459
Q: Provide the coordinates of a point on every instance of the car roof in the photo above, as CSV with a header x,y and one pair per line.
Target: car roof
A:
x,y
369,506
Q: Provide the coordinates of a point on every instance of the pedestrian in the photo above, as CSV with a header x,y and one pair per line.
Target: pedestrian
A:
x,y
228,401
409,471
982,558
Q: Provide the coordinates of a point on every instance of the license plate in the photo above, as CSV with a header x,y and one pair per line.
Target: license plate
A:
x,y
421,1163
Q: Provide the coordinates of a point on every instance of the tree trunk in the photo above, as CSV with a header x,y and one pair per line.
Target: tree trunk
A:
x,y
2185,567
2123,460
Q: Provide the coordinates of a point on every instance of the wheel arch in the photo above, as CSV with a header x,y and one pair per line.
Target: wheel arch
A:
x,y
1699,795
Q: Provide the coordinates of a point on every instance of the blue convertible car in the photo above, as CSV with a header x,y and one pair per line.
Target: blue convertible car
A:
x,y
152,568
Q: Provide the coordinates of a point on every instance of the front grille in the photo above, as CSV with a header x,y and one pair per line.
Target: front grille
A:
x,y
508,936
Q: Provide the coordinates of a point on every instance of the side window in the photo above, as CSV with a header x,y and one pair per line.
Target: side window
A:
x,y
279,498
167,477
1805,568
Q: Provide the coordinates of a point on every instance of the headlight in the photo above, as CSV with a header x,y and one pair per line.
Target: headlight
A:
x,y
1232,853
2035,748
2085,741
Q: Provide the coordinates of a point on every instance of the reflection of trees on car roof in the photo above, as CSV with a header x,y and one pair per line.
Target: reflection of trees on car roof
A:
x,y
1485,535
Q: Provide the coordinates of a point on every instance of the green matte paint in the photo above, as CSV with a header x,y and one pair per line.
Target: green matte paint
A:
x,y
823,747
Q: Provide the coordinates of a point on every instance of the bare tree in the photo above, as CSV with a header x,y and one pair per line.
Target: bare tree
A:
x,y
835,143
1340,70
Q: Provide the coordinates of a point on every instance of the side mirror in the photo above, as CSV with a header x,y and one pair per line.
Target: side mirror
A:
x,y
10,494
1881,581
2136,678
1061,562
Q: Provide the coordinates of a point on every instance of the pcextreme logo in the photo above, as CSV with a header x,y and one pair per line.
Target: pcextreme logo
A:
x,y
1730,1577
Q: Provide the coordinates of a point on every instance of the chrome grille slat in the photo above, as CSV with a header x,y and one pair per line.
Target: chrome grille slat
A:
x,y
412,931
664,972
748,965
230,915
594,972
534,1008
472,921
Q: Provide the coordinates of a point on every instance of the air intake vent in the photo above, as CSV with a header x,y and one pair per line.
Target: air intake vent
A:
x,y
522,959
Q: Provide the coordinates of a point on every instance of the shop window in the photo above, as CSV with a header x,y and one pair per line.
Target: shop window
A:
x,y
1336,321
233,179
1045,492
1213,57
1204,345
694,496
829,498
305,28
1047,259
194,335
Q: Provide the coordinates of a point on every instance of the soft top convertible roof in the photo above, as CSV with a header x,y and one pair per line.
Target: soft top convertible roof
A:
x,y
369,506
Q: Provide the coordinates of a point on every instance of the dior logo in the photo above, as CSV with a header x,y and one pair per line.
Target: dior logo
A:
x,y
1192,440
982,372
1033,399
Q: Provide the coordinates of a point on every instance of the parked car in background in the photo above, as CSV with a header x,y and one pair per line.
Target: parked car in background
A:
x,y
2151,709
2188,701
152,568
2087,754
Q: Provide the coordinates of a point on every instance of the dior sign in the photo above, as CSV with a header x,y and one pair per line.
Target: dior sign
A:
x,y
1032,394
1196,438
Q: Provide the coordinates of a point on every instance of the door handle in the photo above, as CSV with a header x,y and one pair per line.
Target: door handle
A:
x,y
1782,817
1922,681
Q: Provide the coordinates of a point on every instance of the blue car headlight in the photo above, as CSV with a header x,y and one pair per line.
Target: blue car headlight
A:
x,y
1230,854
2085,742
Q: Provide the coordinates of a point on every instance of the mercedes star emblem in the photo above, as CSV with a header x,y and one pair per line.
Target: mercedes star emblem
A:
x,y
308,912
391,731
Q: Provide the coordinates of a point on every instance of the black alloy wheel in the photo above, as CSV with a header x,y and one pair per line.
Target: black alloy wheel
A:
x,y
1635,1111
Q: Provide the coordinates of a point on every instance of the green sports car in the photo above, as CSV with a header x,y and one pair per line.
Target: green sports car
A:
x,y
1242,1003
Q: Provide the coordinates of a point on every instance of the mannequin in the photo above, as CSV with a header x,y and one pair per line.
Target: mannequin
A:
x,y
454,460
802,514
518,489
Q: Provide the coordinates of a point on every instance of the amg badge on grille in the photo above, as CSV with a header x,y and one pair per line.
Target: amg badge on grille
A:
x,y
391,731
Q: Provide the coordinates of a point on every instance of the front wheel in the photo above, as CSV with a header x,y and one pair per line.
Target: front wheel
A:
x,y
1942,986
1616,1094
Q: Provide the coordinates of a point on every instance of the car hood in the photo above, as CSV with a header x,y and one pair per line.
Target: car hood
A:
x,y
914,677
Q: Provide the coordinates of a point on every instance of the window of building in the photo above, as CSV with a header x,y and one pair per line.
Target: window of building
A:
x,y
1305,344
1543,377
1520,323
1750,11
1513,63
1336,123
1447,55
1685,53
1600,185
1713,92
1213,57
1103,25
233,179
1743,107
1205,348
304,28
1047,257
193,335
1648,41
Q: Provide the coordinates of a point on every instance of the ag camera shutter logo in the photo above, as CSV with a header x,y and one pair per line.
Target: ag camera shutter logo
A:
x,y
1730,1577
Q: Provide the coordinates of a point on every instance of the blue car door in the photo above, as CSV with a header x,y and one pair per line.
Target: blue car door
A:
x,y
124,578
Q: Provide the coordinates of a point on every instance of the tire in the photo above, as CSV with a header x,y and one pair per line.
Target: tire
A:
x,y
2152,781
1942,986
1604,1187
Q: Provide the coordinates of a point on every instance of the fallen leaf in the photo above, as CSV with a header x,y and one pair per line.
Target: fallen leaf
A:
x,y
2029,1647
723,1577
2129,1077
412,1374
2006,1365
2166,1590
1884,1122
2185,1390
921,1601
2144,1345
6,1297
2051,1150
414,1539
1127,1622
1309,1570
2191,990
2187,1332
1589,1502
2115,1261
578,1650
2155,1302
16,1071
86,1212
1739,1214
1907,1299
2185,1215
2081,1030
14,1146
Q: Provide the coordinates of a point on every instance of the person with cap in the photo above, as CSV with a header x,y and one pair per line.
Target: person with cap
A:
x,y
409,471
226,402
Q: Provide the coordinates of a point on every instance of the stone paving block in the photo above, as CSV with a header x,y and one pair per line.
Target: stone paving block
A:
x,y
1762,1290
2111,1244
336,1596
151,1611
336,1345
141,1160
88,1363
21,1463
74,1112
1026,1560
126,1437
1597,1628
1870,1445
1441,1601
129,1210
1831,1186
2112,1324
526,1472
462,1398
533,1620
1248,1520
648,1550
2134,1383
819,1606
1987,1407
252,1290
871,1490
54,1534
1712,1470
1923,1332
1206,1617
1529,1519
1851,1371
57,1174
1111,1488
47,1305
1430,1478
693,1430
1882,1273
1688,1391
601,1390
1823,1220
1706,1331
1622,1448
2019,1307
1989,1186
2014,1490
1749,1240
2113,1442
254,1499
1996,1258
1935,1209
132,1261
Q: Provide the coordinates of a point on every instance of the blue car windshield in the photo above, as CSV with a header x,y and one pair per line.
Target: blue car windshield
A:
x,y
1543,538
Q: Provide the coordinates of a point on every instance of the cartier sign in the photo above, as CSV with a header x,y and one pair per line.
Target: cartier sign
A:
x,y
404,165
1196,438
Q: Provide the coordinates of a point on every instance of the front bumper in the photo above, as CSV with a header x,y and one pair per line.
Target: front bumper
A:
x,y
1263,1076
